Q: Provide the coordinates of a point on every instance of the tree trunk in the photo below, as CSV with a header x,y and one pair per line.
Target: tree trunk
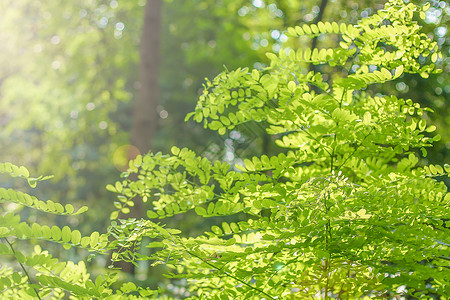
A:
x,y
313,67
145,117
319,18
323,5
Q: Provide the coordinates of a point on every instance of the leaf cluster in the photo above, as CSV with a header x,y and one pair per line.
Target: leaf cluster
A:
x,y
33,273
345,211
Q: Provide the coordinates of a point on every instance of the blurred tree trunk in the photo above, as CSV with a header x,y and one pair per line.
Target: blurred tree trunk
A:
x,y
323,5
145,117
313,67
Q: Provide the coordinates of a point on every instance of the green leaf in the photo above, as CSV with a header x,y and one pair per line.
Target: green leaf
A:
x,y
75,237
422,125
69,208
249,165
306,29
66,234
434,57
16,277
255,73
210,209
299,30
81,210
367,118
152,214
222,130
56,233
216,230
241,168
226,228
398,71
111,188
84,241
175,150
215,125
200,211
4,231
118,186
94,239
114,215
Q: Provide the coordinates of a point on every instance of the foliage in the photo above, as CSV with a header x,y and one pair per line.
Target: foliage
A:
x,y
344,211
68,78
33,273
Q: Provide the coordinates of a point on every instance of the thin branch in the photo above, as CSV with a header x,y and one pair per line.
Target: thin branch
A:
x,y
335,135
356,149
23,268
231,275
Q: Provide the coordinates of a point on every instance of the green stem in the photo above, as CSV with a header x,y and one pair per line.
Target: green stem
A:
x,y
328,278
327,261
332,155
231,275
335,134
23,268
356,149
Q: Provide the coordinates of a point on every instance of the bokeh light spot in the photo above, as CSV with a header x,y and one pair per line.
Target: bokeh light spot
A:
x,y
90,106
164,114
123,155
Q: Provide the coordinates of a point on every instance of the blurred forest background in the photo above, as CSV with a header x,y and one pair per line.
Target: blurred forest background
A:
x,y
84,85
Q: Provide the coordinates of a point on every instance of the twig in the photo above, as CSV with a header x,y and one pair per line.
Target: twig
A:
x,y
23,268
231,275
